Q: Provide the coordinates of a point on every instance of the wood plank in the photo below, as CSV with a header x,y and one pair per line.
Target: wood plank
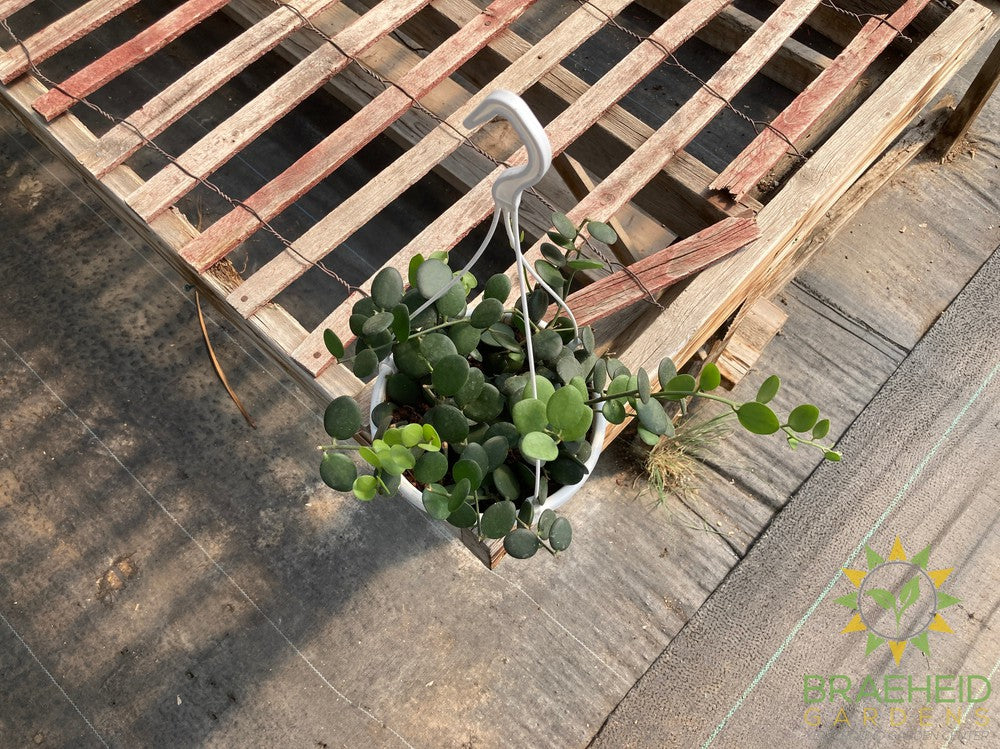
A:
x,y
660,270
363,205
59,35
245,125
455,223
794,66
10,7
274,331
712,296
758,158
748,340
229,231
173,102
125,56
983,86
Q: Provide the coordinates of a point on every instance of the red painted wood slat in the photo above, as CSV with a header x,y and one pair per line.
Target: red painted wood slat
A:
x,y
747,169
125,56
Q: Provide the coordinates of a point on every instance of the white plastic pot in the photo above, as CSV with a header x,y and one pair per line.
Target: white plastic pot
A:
x,y
554,501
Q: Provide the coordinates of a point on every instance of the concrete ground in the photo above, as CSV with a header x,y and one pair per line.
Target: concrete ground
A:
x,y
170,577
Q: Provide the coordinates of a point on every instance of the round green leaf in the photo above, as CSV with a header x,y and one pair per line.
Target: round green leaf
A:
x,y
402,389
459,493
553,254
333,343
521,543
364,487
365,363
832,455
758,418
412,435
602,232
566,470
432,276
614,411
768,389
400,322
565,409
365,306
377,323
436,346
647,436
547,345
342,418
568,367
539,446
550,274
583,263
496,449
468,469
642,383
666,371
503,429
652,416
600,375
382,416
415,262
465,337
560,534
450,374
452,303
476,452
497,287
505,481
488,312
530,416
432,440
338,471
486,406
710,378
472,388
803,418
409,359
545,521
498,519
464,517
680,387
430,467
435,500
821,429
387,288
563,225
450,423
356,323
527,513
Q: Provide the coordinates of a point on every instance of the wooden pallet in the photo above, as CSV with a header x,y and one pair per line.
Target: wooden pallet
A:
x,y
727,240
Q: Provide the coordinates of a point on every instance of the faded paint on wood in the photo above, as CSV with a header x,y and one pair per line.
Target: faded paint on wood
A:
x,y
125,56
59,35
320,161
757,159
180,97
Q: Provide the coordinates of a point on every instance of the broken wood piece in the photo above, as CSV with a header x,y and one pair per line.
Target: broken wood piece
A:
x,y
757,159
653,274
748,339
955,128
580,184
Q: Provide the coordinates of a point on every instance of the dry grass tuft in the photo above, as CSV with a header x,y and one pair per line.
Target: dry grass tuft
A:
x,y
675,464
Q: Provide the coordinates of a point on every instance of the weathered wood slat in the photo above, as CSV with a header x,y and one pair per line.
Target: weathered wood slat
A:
x,y
714,295
456,222
181,96
660,270
972,103
244,126
757,159
367,202
229,231
59,35
125,56
10,7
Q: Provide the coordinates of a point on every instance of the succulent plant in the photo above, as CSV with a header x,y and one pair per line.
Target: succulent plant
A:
x,y
464,423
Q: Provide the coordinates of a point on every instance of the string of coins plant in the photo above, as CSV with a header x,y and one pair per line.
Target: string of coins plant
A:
x,y
460,420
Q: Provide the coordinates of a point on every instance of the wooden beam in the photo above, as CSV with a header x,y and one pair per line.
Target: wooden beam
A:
x,y
180,97
662,269
368,201
125,56
748,339
983,86
59,35
793,66
758,158
712,296
10,7
346,140
244,126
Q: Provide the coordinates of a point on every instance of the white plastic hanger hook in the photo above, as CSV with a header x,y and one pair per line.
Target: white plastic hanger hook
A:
x,y
510,186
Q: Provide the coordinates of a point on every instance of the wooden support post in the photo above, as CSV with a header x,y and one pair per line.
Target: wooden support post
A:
x,y
968,109
748,339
